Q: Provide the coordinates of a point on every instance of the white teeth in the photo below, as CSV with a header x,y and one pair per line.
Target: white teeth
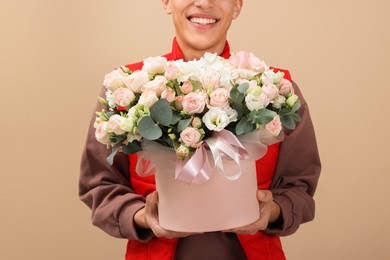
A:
x,y
202,21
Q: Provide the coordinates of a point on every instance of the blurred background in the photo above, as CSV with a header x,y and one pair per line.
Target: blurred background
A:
x,y
54,55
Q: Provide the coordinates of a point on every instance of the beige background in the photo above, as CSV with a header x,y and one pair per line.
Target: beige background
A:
x,y
54,55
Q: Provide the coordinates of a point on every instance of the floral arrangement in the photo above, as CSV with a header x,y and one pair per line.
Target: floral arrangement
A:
x,y
180,104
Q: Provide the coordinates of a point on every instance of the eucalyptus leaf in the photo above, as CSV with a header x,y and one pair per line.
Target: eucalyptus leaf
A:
x,y
132,147
148,129
295,107
262,116
239,108
244,126
161,112
175,117
236,95
115,149
242,88
296,117
183,124
288,122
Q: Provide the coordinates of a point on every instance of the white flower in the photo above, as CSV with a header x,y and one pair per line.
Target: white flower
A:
x,y
136,80
255,102
278,101
268,77
292,100
148,98
101,133
114,79
231,113
114,124
271,91
155,65
216,119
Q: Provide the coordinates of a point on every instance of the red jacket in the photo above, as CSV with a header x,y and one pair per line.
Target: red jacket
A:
x,y
258,246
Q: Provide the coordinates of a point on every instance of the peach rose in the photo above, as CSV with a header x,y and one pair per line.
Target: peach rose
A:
x,y
247,61
114,79
271,91
171,71
219,97
115,124
194,102
101,131
286,87
210,80
168,94
155,65
148,98
191,137
186,87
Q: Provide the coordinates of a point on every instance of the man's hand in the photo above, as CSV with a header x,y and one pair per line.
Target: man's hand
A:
x,y
147,217
269,213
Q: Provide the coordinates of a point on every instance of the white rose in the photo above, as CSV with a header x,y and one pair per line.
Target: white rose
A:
x,y
136,80
155,65
114,79
148,98
254,102
216,119
123,97
278,101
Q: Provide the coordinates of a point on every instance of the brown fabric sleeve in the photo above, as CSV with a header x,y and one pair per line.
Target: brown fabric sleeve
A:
x,y
297,173
107,191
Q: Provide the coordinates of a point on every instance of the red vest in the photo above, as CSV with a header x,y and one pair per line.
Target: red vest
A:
x,y
258,246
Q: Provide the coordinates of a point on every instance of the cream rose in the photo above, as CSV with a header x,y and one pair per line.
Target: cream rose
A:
x,y
171,71
169,94
210,80
101,133
114,79
148,98
194,102
114,124
254,102
136,80
271,91
186,88
158,85
155,65
191,137
123,97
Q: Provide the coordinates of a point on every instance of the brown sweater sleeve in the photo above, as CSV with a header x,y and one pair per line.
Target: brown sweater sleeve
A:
x,y
297,173
107,191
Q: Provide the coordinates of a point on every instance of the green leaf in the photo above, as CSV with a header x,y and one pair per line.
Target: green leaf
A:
x,y
295,107
296,117
148,129
244,126
239,108
262,116
175,117
183,124
242,88
236,95
285,111
288,122
132,147
115,148
161,112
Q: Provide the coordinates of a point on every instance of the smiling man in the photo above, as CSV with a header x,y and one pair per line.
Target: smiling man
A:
x,y
125,205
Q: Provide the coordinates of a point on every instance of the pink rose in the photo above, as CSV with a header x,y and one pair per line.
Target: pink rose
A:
x,y
158,85
114,79
148,98
171,71
275,126
271,91
194,102
196,122
123,97
248,61
286,87
186,87
191,137
168,94
219,97
115,124
136,80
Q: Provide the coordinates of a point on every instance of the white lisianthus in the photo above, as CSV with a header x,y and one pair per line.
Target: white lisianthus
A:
x,y
254,102
278,77
231,113
114,79
155,65
268,77
128,124
278,101
216,119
